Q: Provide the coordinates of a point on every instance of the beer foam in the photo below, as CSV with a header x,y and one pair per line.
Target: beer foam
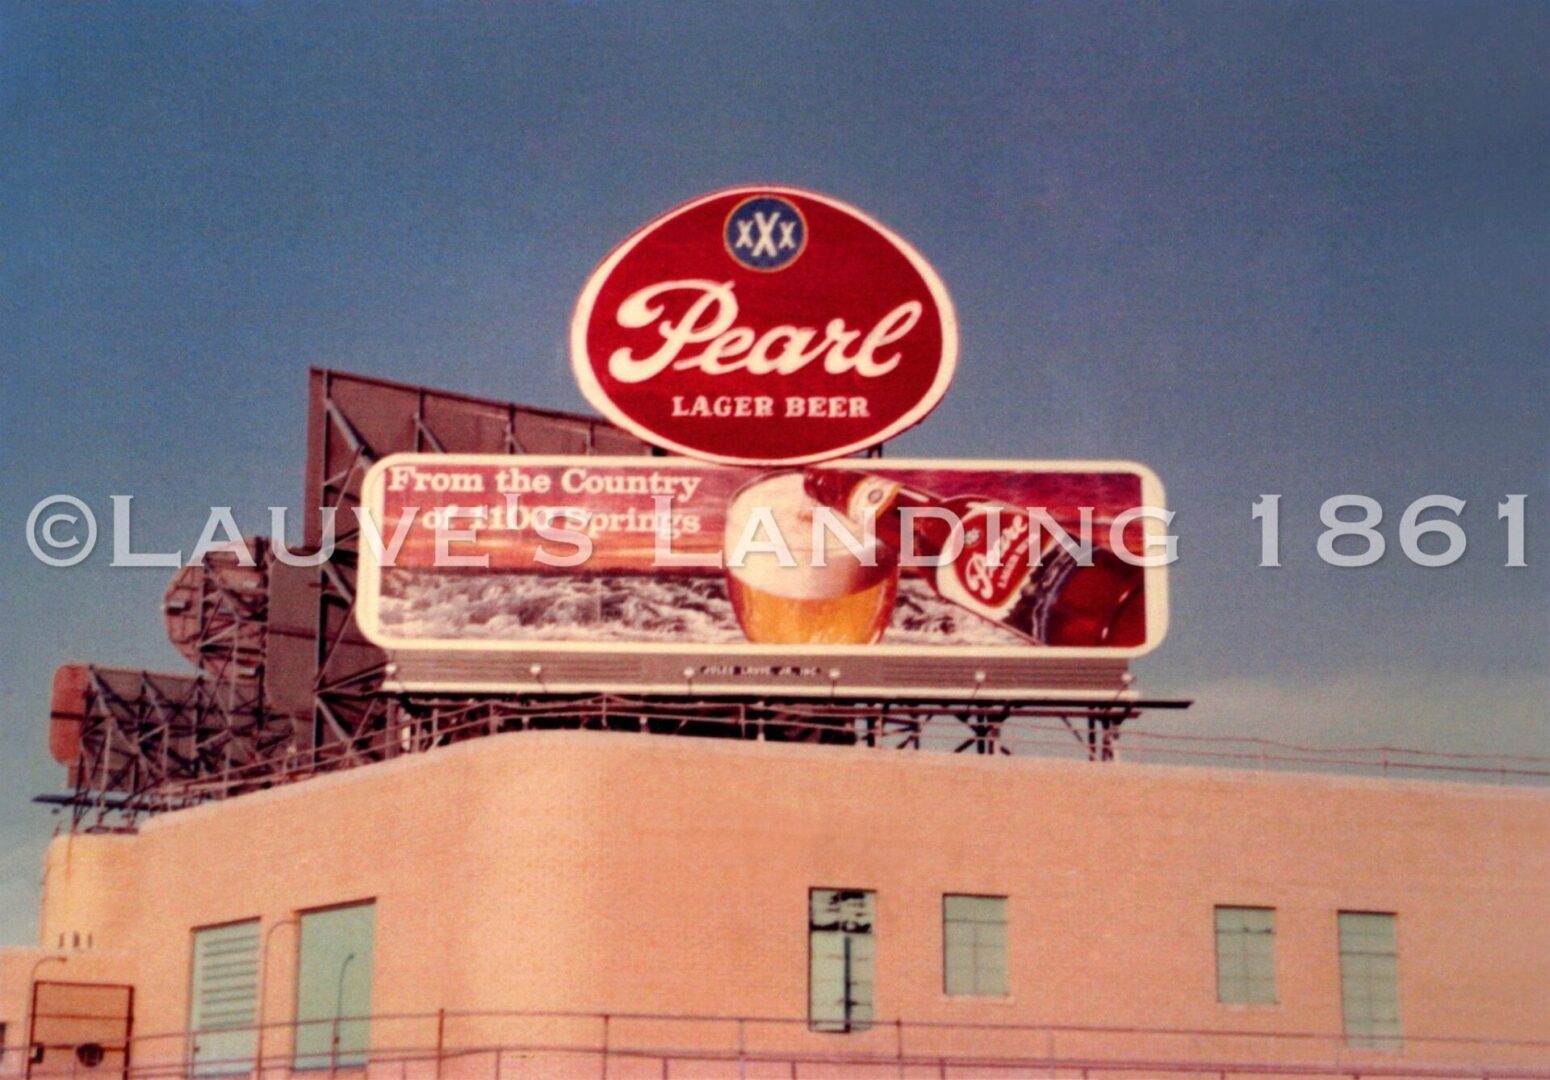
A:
x,y
789,511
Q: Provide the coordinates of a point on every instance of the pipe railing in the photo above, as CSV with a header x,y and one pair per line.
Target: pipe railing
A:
x,y
500,1044
1047,731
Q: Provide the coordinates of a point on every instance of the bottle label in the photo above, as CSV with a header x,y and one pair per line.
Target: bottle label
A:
x,y
990,572
870,496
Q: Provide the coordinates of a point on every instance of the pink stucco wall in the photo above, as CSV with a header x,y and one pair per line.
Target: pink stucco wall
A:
x,y
613,872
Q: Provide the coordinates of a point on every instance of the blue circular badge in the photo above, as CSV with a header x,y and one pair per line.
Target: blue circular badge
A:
x,y
766,232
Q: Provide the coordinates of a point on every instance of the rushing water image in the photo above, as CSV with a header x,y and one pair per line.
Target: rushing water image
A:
x,y
626,607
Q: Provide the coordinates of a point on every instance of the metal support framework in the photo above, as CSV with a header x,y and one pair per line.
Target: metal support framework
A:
x,y
285,686
354,422
161,751
143,733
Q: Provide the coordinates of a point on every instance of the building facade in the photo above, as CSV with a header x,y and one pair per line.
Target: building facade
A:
x,y
564,903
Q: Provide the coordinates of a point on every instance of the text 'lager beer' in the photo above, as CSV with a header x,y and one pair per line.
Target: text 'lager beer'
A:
x,y
823,593
1045,593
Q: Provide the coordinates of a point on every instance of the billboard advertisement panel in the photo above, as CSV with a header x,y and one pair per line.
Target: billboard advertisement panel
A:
x,y
764,325
860,577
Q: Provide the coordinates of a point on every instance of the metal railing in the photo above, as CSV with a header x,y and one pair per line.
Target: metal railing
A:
x,y
1041,731
507,1044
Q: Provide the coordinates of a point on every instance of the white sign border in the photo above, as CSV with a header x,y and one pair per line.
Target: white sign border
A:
x,y
369,576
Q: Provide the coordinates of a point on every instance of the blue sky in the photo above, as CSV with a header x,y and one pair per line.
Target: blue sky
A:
x,y
1290,248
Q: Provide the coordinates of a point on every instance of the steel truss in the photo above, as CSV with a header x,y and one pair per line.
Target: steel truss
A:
x,y
285,686
163,742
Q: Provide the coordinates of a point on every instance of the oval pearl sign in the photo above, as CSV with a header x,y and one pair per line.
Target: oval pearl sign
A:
x,y
764,325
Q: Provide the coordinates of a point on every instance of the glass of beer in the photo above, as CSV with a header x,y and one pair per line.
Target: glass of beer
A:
x,y
825,594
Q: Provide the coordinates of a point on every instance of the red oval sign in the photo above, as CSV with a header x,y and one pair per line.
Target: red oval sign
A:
x,y
764,325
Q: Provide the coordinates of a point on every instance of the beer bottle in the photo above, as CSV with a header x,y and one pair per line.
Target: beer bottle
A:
x,y
1045,596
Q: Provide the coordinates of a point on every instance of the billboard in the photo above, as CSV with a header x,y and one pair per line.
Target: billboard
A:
x,y
856,578
764,325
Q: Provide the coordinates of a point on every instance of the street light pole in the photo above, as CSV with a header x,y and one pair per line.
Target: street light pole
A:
x,y
263,993
333,1047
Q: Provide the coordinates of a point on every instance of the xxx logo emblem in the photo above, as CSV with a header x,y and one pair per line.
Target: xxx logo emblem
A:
x,y
766,233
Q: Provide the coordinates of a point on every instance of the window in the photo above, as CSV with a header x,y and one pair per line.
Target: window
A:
x,y
1245,955
333,987
1369,978
223,999
974,945
840,954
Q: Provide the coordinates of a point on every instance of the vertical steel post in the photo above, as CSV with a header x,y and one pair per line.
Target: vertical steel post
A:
x,y
441,1038
129,1036
845,952
605,1047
